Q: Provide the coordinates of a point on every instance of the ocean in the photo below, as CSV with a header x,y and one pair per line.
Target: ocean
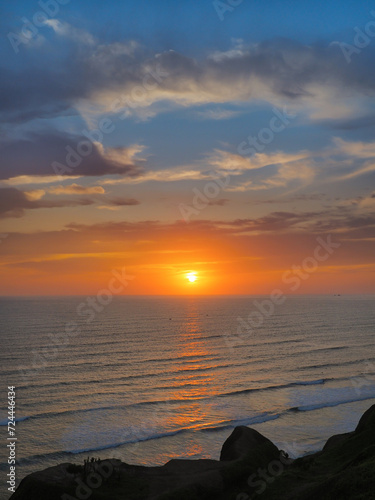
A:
x,y
147,379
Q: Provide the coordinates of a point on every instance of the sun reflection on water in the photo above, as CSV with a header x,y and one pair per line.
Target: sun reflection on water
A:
x,y
194,383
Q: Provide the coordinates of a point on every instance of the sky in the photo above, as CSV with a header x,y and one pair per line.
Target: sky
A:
x,y
221,139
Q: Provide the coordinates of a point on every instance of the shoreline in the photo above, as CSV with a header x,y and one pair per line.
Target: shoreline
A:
x,y
250,466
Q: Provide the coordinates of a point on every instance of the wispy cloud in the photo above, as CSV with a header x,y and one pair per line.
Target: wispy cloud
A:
x,y
77,189
67,30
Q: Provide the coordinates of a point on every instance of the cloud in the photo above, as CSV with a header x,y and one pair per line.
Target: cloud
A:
x,y
341,161
218,162
233,162
340,219
267,171
35,194
108,207
365,169
174,174
20,180
316,79
123,202
356,123
77,189
357,149
117,203
37,153
14,202
69,31
221,162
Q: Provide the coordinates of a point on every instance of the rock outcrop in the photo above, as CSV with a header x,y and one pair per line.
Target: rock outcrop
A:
x,y
344,469
250,467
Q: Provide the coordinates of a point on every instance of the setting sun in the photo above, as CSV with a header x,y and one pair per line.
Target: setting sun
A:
x,y
191,277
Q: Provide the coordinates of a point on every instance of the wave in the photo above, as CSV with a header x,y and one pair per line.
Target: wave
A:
x,y
129,441
4,423
220,426
265,417
330,404
136,376
275,387
342,363
178,370
166,402
75,411
65,454
230,424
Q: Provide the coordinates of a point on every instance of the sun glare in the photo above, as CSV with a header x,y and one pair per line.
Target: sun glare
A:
x,y
191,277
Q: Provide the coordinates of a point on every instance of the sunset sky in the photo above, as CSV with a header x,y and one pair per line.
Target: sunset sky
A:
x,y
175,137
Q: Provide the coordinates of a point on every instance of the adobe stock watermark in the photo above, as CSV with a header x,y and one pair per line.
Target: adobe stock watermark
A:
x,y
30,28
139,93
95,473
85,147
294,277
252,146
222,8
87,309
277,124
202,199
361,40
87,434
260,479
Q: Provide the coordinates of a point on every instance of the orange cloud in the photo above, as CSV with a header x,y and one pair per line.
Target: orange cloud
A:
x,y
77,189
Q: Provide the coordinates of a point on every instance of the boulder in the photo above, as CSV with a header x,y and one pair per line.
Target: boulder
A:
x,y
244,442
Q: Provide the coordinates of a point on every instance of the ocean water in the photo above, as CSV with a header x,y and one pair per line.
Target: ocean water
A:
x,y
147,379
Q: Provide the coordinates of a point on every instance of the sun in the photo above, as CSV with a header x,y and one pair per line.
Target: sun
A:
x,y
192,277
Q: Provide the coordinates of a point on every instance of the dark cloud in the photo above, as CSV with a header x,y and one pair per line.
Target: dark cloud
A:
x,y
36,154
122,202
273,222
14,202
357,123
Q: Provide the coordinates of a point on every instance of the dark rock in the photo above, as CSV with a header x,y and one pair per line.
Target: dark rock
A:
x,y
244,441
367,421
344,469
337,439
